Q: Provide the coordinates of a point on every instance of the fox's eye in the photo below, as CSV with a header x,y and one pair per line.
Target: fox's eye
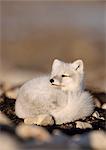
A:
x,y
77,67
64,75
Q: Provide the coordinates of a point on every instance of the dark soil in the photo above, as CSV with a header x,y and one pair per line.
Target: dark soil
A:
x,y
7,106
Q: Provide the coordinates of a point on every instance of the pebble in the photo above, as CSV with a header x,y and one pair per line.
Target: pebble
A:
x,y
43,120
4,120
8,142
33,131
96,115
98,140
93,140
104,106
83,125
57,132
97,103
60,139
1,92
12,93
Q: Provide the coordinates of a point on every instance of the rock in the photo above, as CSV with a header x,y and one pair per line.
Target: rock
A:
x,y
57,132
93,140
101,96
78,142
1,100
8,142
29,131
83,125
1,92
43,120
104,106
4,120
60,139
98,140
97,103
12,93
96,115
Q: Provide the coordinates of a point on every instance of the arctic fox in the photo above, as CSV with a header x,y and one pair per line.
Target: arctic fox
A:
x,y
60,95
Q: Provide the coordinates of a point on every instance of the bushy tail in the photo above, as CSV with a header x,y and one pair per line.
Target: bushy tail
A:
x,y
79,107
84,106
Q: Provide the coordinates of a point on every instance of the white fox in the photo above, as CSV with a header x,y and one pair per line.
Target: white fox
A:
x,y
60,96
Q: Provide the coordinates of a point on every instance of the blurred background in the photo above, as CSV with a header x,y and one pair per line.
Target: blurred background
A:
x,y
34,33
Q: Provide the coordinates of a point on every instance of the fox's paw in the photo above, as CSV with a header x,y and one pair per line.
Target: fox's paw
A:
x,y
60,121
43,120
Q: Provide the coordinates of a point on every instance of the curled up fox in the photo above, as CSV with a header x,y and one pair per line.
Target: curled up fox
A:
x,y
58,98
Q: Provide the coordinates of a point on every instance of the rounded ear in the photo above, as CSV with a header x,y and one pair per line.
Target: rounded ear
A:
x,y
56,63
78,65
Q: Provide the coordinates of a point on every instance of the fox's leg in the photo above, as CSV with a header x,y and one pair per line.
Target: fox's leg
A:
x,y
64,115
44,120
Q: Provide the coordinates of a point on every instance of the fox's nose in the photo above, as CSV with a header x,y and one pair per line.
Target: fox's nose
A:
x,y
51,80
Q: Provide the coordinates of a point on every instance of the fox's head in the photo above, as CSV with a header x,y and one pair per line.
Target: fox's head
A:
x,y
67,76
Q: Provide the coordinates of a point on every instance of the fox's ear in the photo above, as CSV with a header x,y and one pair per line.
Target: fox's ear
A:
x,y
56,63
78,65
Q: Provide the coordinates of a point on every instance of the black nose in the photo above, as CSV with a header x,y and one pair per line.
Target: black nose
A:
x,y
51,80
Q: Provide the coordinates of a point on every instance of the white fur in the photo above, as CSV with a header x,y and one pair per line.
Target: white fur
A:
x,y
38,96
79,106
65,99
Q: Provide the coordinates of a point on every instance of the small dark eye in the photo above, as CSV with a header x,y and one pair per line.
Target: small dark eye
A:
x,y
77,67
63,75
